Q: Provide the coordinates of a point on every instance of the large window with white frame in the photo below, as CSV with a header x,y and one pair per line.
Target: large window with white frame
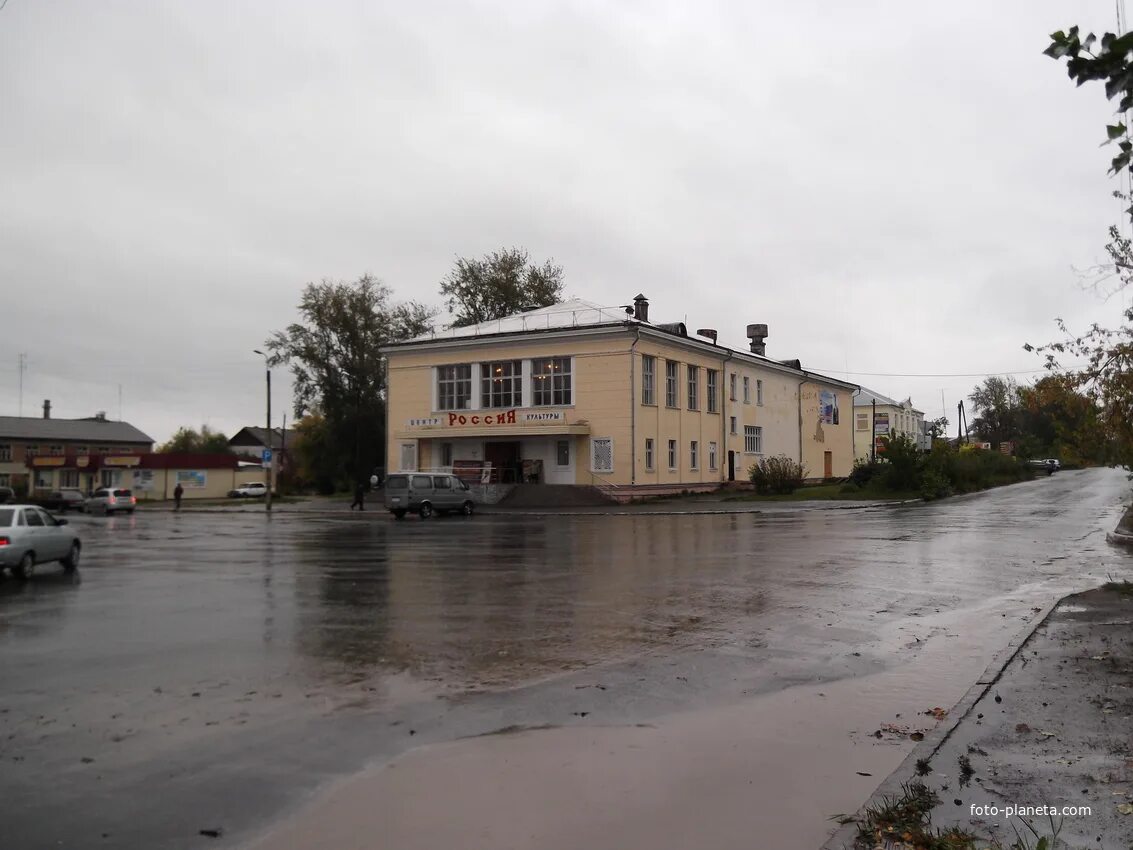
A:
x,y
863,421
454,386
649,453
672,455
550,381
712,456
672,369
501,383
693,387
732,387
747,390
648,379
753,439
693,454
712,390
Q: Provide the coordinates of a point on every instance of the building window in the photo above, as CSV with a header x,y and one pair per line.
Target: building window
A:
x,y
693,454
501,384
446,455
863,421
31,450
105,450
82,450
55,450
713,379
747,390
44,479
5,479
408,457
562,452
648,367
732,429
732,386
758,391
693,388
712,456
550,381
601,454
672,455
753,439
69,478
5,452
649,453
671,367
454,387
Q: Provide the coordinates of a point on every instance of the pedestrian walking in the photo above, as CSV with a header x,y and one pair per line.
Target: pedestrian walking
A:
x,y
359,498
178,492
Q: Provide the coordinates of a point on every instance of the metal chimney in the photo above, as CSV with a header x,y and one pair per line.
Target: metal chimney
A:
x,y
641,308
757,334
708,333
47,408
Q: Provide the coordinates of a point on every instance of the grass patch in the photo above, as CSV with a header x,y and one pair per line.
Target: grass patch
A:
x,y
1125,587
905,821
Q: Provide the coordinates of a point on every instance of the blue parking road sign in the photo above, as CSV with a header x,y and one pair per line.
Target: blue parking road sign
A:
x,y
267,455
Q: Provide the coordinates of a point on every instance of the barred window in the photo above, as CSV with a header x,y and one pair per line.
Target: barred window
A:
x,y
601,454
753,439
550,381
454,387
501,383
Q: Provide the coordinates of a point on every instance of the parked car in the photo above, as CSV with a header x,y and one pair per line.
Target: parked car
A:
x,y
424,494
1055,462
250,490
30,535
7,494
111,500
1047,466
63,500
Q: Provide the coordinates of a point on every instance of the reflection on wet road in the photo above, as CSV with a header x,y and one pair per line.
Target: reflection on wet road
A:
x,y
220,666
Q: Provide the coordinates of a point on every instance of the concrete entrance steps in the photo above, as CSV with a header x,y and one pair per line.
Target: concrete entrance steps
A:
x,y
554,496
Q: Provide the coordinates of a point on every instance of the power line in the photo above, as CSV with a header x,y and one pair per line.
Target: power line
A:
x,y
926,374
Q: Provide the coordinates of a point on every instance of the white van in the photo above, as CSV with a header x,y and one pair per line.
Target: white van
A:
x,y
427,493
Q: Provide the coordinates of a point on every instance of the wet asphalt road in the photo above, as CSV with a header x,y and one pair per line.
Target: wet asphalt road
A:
x,y
209,671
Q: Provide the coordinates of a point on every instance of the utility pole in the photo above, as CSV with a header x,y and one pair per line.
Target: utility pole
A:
x,y
270,463
873,434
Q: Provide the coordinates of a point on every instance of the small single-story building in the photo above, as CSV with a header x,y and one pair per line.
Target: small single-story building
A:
x,y
249,442
582,394
149,476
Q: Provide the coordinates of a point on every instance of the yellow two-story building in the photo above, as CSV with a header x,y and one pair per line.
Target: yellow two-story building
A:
x,y
581,394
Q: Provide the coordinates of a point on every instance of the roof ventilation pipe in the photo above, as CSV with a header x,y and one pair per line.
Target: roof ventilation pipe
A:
x,y
757,334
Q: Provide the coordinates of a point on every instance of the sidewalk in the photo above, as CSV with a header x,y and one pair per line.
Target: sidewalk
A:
x,y
1053,727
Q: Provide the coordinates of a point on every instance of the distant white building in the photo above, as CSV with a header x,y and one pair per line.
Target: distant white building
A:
x,y
877,416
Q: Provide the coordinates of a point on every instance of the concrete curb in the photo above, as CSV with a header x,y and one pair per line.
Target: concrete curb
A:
x,y
1123,534
843,837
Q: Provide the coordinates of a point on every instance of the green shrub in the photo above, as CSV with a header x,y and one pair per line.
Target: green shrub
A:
x,y
778,475
934,485
903,463
865,471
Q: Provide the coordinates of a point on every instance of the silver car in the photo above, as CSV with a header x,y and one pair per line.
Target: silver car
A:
x,y
30,536
425,494
110,499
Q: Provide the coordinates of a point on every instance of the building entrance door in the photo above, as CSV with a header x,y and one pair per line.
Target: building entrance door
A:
x,y
828,464
504,458
731,465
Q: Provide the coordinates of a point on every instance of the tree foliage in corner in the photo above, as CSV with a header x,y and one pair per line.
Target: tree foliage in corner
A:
x,y
500,284
205,441
1106,378
996,405
333,352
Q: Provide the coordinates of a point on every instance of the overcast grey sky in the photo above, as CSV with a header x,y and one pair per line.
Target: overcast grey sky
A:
x,y
893,187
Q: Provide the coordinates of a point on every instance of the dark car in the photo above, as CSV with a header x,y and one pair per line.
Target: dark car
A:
x,y
63,500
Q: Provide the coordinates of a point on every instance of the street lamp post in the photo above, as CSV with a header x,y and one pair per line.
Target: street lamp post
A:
x,y
271,463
